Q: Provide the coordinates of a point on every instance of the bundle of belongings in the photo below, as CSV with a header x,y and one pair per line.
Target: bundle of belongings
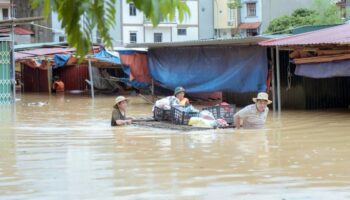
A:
x,y
204,119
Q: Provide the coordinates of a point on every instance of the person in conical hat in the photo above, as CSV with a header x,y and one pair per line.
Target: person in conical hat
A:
x,y
254,116
119,112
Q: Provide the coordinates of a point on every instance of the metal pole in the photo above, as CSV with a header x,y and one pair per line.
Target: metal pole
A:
x,y
49,80
13,56
153,90
273,61
278,79
91,80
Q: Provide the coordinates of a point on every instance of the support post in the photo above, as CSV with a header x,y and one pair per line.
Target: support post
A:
x,y
91,80
273,81
278,80
153,98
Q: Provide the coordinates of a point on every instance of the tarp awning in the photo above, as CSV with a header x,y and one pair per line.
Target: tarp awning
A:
x,y
107,56
210,69
324,70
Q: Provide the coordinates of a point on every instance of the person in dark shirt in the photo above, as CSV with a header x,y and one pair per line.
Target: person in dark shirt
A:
x,y
119,112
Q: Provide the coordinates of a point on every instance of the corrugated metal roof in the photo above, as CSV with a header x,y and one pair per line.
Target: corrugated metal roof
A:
x,y
18,31
334,35
38,45
209,42
48,51
250,25
22,55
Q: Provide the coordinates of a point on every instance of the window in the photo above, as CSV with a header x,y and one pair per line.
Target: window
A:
x,y
181,31
62,38
231,15
252,32
158,37
132,10
251,9
5,13
133,37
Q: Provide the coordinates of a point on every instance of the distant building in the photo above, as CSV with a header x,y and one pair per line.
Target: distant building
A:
x,y
136,28
253,17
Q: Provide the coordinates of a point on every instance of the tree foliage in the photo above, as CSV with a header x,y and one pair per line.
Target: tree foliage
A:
x,y
323,13
80,17
234,4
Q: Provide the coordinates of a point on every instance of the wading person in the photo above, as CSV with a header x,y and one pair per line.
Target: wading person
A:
x,y
254,116
57,85
119,112
180,99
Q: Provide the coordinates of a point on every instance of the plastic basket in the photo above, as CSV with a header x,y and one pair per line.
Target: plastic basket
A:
x,y
180,117
223,112
161,114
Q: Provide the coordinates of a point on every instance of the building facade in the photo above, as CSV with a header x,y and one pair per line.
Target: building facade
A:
x,y
226,20
252,17
136,28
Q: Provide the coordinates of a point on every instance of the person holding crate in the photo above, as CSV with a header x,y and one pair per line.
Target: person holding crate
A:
x,y
254,115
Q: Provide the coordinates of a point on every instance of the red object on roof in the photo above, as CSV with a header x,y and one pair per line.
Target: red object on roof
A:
x,y
18,31
48,51
334,35
252,25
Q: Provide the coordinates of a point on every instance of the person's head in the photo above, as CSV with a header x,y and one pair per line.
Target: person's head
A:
x,y
121,103
179,93
56,78
261,101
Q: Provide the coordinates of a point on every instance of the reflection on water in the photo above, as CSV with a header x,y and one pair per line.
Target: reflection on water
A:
x,y
65,148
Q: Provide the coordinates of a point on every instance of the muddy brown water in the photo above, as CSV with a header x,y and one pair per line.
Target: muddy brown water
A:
x,y
66,149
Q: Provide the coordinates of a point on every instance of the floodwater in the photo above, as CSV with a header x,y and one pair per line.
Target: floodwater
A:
x,y
64,148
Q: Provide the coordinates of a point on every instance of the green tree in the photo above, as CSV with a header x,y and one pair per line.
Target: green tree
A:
x,y
234,4
324,13
80,17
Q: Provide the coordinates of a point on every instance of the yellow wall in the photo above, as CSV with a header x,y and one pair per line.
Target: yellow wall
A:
x,y
221,15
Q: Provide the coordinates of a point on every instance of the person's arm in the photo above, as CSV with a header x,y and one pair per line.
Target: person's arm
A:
x,y
237,120
122,122
240,116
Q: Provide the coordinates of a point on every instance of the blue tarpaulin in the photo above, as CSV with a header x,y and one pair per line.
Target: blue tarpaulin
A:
x,y
61,60
324,70
210,69
106,56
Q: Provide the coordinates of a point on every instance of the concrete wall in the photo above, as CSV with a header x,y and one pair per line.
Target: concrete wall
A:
x,y
127,19
277,8
138,29
166,31
206,19
192,33
116,32
23,39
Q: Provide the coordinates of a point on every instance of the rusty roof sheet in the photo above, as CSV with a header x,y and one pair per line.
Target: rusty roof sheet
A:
x,y
334,35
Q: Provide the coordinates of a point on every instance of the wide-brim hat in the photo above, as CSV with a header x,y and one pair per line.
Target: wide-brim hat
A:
x,y
120,99
178,90
262,96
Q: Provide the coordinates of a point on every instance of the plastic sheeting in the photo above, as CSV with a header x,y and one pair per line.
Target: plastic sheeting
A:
x,y
107,56
135,65
61,60
210,69
324,70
